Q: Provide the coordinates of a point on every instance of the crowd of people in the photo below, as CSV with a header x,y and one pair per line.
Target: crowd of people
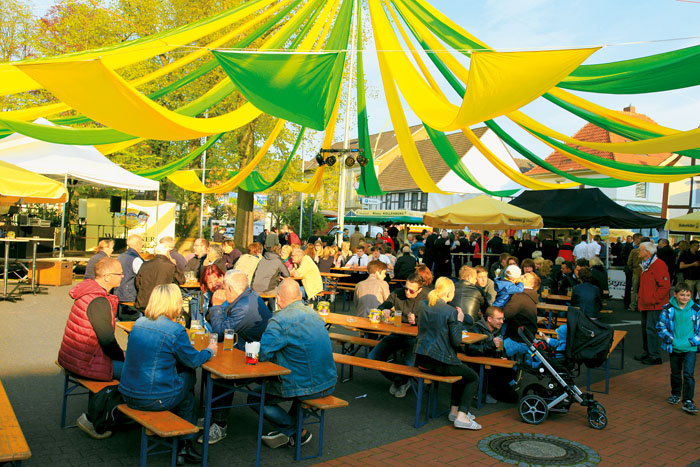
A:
x,y
442,294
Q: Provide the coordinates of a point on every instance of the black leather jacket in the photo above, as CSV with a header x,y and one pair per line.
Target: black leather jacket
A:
x,y
470,299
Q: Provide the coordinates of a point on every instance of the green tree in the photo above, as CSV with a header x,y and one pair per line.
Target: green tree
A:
x,y
292,214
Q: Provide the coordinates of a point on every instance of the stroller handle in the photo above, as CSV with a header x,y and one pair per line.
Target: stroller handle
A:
x,y
525,334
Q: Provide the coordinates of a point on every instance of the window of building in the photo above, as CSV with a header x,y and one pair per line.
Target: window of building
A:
x,y
695,192
640,190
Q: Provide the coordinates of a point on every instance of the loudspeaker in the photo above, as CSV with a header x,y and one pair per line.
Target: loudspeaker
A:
x,y
115,204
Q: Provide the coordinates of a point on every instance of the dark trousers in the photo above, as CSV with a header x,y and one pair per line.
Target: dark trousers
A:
x,y
683,374
628,289
652,336
463,391
285,421
390,345
182,404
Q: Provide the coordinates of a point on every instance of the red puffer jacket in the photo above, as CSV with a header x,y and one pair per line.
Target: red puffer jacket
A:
x,y
654,287
80,352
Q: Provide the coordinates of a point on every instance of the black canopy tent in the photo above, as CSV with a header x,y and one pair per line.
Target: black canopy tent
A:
x,y
583,208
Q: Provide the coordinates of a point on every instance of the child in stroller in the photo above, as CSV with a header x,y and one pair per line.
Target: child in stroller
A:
x,y
560,390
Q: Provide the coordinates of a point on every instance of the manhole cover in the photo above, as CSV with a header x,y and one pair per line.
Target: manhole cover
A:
x,y
534,450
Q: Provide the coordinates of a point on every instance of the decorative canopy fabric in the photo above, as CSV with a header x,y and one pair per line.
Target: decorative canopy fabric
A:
x,y
18,184
480,213
690,223
582,208
83,163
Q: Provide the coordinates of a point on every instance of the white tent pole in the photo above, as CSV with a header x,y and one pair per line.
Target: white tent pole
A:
x,y
483,252
63,217
201,206
157,204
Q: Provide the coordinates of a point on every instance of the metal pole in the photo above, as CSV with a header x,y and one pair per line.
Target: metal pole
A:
x,y
301,207
203,141
342,189
157,205
63,219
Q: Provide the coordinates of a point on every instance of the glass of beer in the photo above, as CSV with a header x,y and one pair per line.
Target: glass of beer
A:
x,y
230,339
200,339
545,292
569,291
397,318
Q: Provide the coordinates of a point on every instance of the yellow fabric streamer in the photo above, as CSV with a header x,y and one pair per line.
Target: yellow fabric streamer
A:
x,y
498,82
187,179
12,80
99,93
451,24
671,143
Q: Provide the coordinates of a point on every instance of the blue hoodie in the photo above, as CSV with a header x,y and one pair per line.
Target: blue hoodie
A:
x,y
504,290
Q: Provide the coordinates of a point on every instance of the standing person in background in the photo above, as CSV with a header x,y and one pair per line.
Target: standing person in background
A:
x,y
441,257
681,247
439,334
131,262
293,237
394,234
632,242
180,260
429,258
262,236
689,264
104,250
231,253
654,288
616,252
272,239
566,250
527,247
581,250
550,248
355,239
668,256
634,265
602,248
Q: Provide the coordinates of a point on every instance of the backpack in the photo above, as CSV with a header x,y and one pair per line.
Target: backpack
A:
x,y
102,408
587,341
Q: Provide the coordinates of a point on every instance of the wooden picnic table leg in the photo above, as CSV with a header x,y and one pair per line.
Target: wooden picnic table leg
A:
x,y
207,417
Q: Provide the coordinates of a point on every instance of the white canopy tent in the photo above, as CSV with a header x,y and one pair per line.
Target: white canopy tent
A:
x,y
79,163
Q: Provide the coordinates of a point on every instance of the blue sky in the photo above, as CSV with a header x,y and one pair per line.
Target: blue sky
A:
x,y
627,29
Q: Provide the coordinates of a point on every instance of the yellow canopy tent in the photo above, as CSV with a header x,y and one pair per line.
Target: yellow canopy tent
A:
x,y
483,213
18,184
689,223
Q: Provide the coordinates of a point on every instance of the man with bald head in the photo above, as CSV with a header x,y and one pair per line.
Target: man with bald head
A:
x,y
236,306
295,338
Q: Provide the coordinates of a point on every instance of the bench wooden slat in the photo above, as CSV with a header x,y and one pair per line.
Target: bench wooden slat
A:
x,y
164,424
13,445
352,339
487,361
324,403
90,384
618,336
392,368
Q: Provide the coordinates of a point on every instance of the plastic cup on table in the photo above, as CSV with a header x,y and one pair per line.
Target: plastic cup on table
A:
x,y
214,339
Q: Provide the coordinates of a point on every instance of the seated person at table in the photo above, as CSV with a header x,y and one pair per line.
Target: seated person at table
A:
x,y
587,295
306,269
286,257
491,325
327,260
439,335
180,260
377,255
405,264
406,300
131,262
104,250
507,286
248,262
212,280
567,280
195,263
372,291
424,272
269,271
358,260
236,307
215,255
485,284
159,367
160,270
521,310
295,338
231,253
600,275
468,297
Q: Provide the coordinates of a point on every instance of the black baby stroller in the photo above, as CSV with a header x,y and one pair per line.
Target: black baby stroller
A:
x,y
588,342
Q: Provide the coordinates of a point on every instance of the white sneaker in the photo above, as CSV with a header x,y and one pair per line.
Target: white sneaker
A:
x,y
490,399
216,434
87,426
275,439
470,425
392,389
470,416
402,390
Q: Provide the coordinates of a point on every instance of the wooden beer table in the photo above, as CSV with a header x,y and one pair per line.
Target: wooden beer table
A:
x,y
405,329
230,365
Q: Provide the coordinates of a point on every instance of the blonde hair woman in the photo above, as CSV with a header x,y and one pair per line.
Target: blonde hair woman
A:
x,y
286,256
439,335
344,255
159,366
104,248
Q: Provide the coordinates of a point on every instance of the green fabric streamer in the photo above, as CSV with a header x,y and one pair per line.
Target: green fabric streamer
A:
x,y
298,88
172,167
454,162
369,185
661,72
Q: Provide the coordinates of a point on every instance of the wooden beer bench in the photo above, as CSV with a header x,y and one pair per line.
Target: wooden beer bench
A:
x,y
485,363
13,445
618,340
351,345
163,424
422,383
316,409
71,382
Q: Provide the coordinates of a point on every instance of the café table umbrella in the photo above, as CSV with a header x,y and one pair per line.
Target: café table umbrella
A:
x,y
689,223
482,213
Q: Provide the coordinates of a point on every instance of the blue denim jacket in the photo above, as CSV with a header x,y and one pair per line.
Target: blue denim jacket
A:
x,y
156,348
248,315
296,338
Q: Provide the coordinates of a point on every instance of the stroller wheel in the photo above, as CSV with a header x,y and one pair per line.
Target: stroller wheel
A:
x,y
533,409
597,419
599,408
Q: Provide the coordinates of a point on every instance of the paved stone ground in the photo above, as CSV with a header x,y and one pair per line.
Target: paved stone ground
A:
x,y
376,429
